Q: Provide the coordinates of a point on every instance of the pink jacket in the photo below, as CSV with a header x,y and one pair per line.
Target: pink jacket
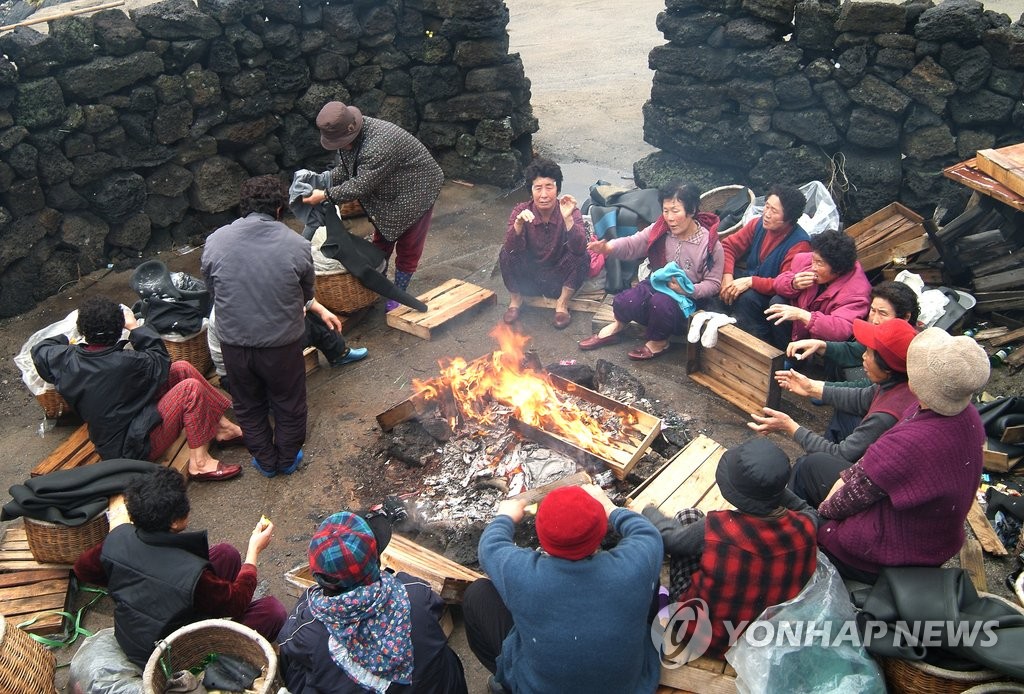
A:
x,y
833,311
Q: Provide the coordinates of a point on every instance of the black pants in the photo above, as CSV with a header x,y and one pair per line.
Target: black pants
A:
x,y
264,381
487,621
814,474
318,335
748,309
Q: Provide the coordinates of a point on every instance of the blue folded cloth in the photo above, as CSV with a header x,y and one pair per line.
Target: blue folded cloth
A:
x,y
660,279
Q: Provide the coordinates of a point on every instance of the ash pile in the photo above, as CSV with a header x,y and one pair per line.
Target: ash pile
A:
x,y
466,466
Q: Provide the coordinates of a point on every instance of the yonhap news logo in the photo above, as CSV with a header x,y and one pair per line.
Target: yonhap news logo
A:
x,y
683,632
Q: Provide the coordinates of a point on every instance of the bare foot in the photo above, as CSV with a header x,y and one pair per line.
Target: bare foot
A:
x,y
199,466
227,430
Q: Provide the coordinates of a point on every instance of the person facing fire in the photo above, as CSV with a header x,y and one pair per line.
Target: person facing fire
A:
x,y
573,618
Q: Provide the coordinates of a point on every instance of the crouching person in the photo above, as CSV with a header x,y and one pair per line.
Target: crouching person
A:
x,y
361,629
573,618
162,578
740,562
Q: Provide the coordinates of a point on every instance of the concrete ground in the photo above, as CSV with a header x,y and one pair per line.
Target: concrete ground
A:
x,y
587,93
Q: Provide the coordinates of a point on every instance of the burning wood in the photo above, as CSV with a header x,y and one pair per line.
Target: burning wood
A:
x,y
497,392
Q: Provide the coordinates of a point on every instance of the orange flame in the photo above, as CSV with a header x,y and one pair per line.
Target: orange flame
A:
x,y
533,399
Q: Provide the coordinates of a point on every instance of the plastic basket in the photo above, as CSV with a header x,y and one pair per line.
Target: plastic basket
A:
x,y
343,293
55,543
188,647
25,666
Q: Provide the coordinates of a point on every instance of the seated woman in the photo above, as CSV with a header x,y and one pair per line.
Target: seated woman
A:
x,y
135,401
361,629
545,249
821,294
904,503
686,272
740,562
889,300
879,406
758,252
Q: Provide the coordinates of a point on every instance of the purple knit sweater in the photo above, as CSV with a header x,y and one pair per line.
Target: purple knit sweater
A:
x,y
929,467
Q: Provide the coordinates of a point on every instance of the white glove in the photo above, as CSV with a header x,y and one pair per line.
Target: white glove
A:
x,y
696,323
710,337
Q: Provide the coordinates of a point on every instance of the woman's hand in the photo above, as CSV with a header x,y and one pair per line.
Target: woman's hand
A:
x,y
795,382
566,205
513,508
773,420
805,279
732,288
600,246
130,322
780,313
524,217
315,198
804,349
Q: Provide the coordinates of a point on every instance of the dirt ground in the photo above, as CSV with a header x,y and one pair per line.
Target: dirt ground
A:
x,y
587,93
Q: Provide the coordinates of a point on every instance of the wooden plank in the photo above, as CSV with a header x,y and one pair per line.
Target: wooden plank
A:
x,y
998,461
69,448
1006,338
905,249
738,400
688,678
537,494
444,303
1013,434
679,469
1001,280
697,487
967,173
577,303
984,531
31,577
1005,164
973,562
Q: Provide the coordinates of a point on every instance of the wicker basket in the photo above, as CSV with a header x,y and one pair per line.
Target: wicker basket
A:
x,y
343,293
917,677
188,647
195,350
716,197
25,666
54,543
53,403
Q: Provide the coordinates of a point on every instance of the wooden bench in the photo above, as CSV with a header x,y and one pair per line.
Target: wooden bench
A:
x,y
444,303
79,451
740,368
700,676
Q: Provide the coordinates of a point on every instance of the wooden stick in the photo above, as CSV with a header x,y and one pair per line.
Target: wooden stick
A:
x,y
62,15
533,496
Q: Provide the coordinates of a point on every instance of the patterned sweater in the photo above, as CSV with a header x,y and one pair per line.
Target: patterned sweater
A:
x,y
392,175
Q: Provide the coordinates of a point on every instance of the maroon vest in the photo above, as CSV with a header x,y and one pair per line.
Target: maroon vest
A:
x,y
893,401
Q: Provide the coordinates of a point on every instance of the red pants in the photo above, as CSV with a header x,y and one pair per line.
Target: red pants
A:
x,y
186,401
408,247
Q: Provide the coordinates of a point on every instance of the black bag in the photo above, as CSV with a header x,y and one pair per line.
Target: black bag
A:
x,y
183,317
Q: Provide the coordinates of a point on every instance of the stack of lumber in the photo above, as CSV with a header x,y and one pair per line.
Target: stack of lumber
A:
x,y
982,247
30,590
892,234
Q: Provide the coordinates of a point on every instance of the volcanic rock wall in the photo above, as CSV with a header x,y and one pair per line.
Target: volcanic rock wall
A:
x,y
873,97
122,134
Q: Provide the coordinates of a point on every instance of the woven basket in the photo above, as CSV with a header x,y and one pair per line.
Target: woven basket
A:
x,y
343,293
25,666
195,350
53,403
716,197
188,647
54,543
917,677
352,208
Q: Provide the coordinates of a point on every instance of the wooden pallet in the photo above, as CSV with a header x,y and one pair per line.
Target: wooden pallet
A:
x,y
79,451
1005,164
446,578
740,368
444,303
895,231
586,302
687,480
700,676
29,589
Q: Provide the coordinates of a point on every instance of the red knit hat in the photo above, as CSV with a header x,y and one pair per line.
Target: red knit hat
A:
x,y
571,523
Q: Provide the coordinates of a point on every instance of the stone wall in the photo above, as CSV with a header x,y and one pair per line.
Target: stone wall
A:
x,y
874,97
122,134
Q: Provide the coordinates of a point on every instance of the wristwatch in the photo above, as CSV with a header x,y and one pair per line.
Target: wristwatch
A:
x,y
309,304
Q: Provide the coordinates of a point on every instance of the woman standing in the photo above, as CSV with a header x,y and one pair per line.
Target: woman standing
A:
x,y
686,272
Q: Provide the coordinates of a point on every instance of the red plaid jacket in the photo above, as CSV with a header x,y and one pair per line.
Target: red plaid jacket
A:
x,y
750,563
